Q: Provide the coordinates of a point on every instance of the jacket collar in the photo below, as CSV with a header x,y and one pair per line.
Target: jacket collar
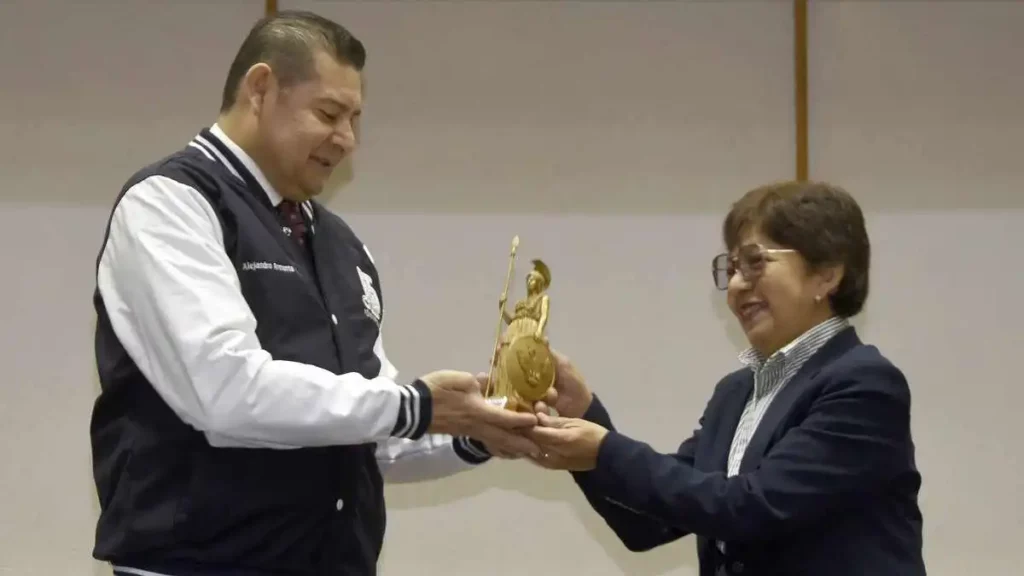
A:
x,y
227,152
838,345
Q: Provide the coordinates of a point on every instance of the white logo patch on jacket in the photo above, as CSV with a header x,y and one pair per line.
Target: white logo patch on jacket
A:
x,y
371,301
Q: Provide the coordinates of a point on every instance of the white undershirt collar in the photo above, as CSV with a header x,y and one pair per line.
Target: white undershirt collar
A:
x,y
249,163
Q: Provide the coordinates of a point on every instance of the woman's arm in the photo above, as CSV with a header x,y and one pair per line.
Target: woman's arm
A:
x,y
852,442
637,530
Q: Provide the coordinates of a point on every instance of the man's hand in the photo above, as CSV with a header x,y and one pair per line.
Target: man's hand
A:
x,y
570,396
459,409
567,443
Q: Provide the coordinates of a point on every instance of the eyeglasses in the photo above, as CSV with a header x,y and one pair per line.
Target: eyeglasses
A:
x,y
750,260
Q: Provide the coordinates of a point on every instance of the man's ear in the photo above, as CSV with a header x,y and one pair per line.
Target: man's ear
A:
x,y
256,84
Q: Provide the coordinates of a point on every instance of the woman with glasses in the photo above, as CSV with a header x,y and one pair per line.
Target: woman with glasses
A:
x,y
803,461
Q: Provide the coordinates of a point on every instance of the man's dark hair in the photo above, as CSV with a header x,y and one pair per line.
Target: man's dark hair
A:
x,y
820,221
287,42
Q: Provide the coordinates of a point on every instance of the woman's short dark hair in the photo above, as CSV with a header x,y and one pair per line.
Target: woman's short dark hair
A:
x,y
820,221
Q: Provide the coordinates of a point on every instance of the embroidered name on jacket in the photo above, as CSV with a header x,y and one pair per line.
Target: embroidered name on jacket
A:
x,y
371,302
254,266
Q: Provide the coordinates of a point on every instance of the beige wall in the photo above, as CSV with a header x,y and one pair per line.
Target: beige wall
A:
x,y
611,142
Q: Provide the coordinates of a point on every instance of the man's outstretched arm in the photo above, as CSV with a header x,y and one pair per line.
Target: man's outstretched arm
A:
x,y
431,457
175,303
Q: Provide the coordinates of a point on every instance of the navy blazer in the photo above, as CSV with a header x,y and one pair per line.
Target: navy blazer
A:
x,y
827,486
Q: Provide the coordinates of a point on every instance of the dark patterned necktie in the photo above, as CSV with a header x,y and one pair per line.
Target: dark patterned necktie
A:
x,y
293,220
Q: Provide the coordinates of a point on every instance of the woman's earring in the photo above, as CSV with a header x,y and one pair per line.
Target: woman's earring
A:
x,y
818,298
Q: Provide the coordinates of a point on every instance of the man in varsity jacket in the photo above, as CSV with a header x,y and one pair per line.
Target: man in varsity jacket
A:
x,y
248,414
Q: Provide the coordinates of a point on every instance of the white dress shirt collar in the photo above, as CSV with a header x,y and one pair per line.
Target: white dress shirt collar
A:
x,y
249,163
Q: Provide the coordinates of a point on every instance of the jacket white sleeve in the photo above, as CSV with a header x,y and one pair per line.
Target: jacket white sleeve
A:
x,y
175,303
428,458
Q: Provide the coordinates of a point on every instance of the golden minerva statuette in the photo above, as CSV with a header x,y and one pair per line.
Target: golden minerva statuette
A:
x,y
522,367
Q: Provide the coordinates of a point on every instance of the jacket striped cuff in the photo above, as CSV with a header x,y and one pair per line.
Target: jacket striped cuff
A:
x,y
414,411
470,450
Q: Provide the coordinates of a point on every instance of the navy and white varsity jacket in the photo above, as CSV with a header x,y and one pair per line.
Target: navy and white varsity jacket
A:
x,y
248,415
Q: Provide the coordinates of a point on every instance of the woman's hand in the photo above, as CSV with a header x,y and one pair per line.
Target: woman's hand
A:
x,y
566,443
570,396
